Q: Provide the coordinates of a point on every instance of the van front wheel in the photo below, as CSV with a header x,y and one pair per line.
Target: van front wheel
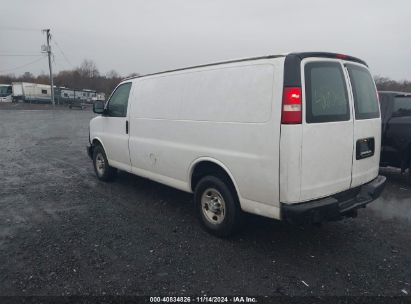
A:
x,y
102,169
217,206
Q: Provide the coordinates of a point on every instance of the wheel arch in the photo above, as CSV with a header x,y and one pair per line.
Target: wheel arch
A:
x,y
97,141
204,166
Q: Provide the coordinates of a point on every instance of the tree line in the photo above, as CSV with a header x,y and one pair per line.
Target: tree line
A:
x,y
387,84
86,76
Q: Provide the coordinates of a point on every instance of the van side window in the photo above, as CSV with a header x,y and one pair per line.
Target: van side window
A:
x,y
117,105
326,93
365,94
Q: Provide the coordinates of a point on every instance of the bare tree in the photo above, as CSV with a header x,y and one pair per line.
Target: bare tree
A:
x,y
86,76
27,76
113,74
88,69
133,75
387,84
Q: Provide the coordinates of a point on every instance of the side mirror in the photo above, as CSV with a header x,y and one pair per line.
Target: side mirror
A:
x,y
98,107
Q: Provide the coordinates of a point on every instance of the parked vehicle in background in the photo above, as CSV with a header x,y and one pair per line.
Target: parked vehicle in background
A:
x,y
67,95
77,104
396,130
6,92
100,97
41,93
31,92
17,88
292,137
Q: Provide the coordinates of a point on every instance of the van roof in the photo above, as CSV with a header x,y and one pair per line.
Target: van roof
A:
x,y
300,55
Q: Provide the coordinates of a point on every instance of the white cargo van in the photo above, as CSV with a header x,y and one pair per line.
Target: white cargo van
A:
x,y
292,137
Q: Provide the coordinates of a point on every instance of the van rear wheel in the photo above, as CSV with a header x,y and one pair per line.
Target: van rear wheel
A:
x,y
217,207
103,170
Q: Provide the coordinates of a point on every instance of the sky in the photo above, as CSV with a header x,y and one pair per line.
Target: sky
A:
x,y
134,36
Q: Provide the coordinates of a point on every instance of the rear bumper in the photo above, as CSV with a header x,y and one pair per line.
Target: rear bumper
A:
x,y
334,207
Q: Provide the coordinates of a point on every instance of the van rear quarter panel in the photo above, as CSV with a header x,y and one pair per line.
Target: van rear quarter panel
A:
x,y
229,113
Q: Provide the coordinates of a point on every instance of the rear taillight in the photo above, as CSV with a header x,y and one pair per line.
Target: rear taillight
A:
x,y
292,106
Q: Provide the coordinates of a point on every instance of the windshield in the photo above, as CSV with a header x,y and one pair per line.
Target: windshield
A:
x,y
5,90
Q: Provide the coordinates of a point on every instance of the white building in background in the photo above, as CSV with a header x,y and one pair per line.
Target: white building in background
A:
x,y
41,93
85,95
31,92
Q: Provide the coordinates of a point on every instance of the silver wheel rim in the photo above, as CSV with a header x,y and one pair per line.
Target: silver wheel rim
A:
x,y
213,206
100,164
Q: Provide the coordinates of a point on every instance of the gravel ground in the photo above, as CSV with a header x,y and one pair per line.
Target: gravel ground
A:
x,y
62,232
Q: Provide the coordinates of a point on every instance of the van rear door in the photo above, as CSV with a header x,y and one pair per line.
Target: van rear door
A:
x,y
367,124
328,128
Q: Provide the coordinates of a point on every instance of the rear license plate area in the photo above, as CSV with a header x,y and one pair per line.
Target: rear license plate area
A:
x,y
365,148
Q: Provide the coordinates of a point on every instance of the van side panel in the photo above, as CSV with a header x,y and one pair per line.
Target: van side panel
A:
x,y
223,113
232,94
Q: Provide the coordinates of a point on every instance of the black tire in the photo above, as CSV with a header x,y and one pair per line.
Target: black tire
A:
x,y
103,170
233,215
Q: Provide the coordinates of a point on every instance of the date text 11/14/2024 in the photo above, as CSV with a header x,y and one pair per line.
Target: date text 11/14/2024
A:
x,y
203,299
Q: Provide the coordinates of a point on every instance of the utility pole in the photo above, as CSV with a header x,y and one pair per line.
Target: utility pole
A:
x,y
48,49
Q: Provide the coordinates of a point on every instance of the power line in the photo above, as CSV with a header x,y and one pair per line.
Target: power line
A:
x,y
58,64
19,55
18,52
22,66
61,51
20,29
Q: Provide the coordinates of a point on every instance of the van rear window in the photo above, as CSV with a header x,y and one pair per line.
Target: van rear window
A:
x,y
365,94
326,92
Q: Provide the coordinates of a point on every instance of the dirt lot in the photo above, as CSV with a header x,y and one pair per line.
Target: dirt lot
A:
x,y
62,232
